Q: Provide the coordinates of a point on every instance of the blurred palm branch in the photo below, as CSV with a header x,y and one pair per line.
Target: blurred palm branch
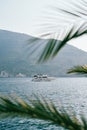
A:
x,y
71,22
40,108
78,69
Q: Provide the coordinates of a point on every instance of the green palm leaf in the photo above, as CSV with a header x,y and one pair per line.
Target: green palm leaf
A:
x,y
78,69
71,23
40,108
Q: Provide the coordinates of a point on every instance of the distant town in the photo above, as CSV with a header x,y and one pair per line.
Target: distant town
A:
x,y
4,74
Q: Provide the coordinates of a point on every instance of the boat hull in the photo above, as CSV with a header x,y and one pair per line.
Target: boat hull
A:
x,y
43,79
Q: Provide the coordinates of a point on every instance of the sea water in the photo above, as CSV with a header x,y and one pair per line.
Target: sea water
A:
x,y
69,92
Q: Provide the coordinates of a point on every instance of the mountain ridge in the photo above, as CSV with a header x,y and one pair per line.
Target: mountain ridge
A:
x,y
14,59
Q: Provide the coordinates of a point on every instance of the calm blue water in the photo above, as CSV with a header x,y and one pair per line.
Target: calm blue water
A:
x,y
71,92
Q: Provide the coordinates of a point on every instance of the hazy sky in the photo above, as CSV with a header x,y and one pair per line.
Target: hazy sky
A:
x,y
23,16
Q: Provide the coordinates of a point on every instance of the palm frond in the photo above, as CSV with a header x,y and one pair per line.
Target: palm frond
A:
x,y
40,108
71,19
78,69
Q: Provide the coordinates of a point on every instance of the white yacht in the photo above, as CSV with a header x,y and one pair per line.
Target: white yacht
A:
x,y
40,77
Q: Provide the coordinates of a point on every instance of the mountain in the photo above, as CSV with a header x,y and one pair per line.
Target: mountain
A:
x,y
14,57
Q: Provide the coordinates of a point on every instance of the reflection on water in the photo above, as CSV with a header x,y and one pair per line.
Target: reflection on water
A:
x,y
71,92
